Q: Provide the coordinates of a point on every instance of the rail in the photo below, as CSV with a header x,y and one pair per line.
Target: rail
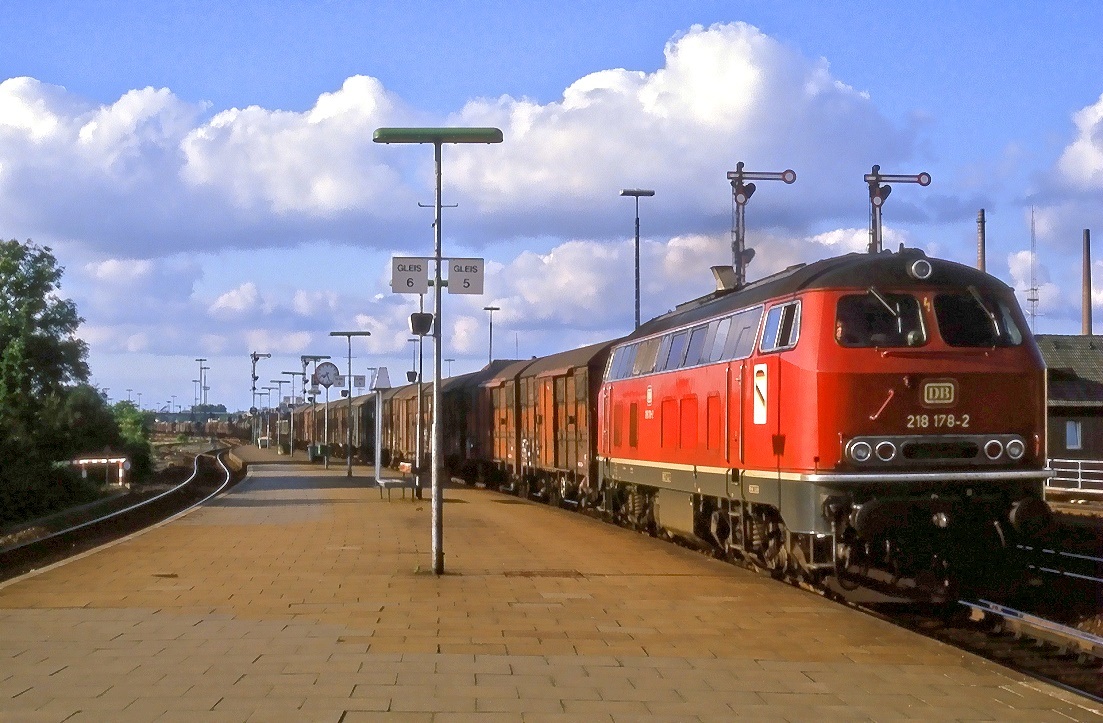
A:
x,y
1020,623
60,544
1076,475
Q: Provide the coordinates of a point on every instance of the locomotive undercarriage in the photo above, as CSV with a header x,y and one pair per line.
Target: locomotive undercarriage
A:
x,y
912,559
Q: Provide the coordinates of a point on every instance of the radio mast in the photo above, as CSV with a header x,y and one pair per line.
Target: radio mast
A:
x,y
1032,292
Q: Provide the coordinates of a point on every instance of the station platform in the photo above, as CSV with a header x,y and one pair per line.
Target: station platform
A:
x,y
304,595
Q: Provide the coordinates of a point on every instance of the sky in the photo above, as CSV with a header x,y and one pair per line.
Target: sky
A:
x,y
205,171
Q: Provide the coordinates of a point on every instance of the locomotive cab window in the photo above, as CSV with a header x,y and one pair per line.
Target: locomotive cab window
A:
x,y
976,319
782,327
879,319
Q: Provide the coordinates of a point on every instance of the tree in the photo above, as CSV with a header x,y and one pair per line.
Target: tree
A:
x,y
39,356
37,327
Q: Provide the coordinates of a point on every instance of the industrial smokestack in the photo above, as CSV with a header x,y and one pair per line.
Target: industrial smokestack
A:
x,y
980,239
1086,298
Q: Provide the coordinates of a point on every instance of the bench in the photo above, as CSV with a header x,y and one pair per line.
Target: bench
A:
x,y
388,483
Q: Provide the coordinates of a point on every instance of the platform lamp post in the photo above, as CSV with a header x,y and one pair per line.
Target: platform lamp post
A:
x,y
636,193
291,414
438,137
490,352
268,414
348,385
279,410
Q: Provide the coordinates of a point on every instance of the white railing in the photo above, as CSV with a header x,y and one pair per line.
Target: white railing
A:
x,y
1076,475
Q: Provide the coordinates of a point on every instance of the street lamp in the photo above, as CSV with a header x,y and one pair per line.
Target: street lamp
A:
x,y
438,137
194,395
491,309
348,426
636,193
291,414
266,392
128,391
279,410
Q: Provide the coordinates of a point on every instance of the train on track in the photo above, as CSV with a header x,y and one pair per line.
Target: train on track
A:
x,y
869,422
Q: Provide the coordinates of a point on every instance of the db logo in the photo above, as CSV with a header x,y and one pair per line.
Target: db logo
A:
x,y
940,393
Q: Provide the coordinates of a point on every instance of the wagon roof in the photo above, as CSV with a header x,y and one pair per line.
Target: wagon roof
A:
x,y
474,379
887,269
507,372
566,360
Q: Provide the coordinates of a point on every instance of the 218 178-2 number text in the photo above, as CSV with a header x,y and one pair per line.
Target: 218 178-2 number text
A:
x,y
938,421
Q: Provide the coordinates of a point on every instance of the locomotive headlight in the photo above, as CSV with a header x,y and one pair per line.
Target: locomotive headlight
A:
x,y
920,269
941,520
1015,449
993,449
859,451
886,451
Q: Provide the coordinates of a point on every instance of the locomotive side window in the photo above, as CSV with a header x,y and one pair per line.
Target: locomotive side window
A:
x,y
634,425
974,320
696,343
716,352
677,351
741,335
782,327
878,319
646,353
620,365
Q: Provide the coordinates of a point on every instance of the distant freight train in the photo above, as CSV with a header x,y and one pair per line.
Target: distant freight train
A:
x,y
872,421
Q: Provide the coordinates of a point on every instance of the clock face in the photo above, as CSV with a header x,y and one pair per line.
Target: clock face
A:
x,y
327,374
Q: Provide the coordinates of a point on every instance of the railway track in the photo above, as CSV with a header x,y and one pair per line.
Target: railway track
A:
x,y
209,477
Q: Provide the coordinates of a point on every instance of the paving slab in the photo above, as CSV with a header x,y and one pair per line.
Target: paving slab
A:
x,y
304,595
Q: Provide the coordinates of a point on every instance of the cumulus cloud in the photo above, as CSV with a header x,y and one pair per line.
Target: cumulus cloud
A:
x,y
141,183
726,93
151,166
1081,163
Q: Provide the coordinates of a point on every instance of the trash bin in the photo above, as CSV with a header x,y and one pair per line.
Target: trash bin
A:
x,y
311,452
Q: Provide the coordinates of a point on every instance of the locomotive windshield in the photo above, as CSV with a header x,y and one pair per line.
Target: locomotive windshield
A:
x,y
975,319
878,319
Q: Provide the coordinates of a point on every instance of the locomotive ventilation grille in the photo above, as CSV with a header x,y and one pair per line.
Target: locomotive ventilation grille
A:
x,y
908,450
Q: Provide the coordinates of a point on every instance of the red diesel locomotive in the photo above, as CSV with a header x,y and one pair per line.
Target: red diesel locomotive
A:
x,y
872,420
870,423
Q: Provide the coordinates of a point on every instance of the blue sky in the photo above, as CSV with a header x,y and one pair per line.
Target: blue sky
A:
x,y
205,173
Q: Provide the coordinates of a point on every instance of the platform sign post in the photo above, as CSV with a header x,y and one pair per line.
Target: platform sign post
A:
x,y
877,196
438,137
